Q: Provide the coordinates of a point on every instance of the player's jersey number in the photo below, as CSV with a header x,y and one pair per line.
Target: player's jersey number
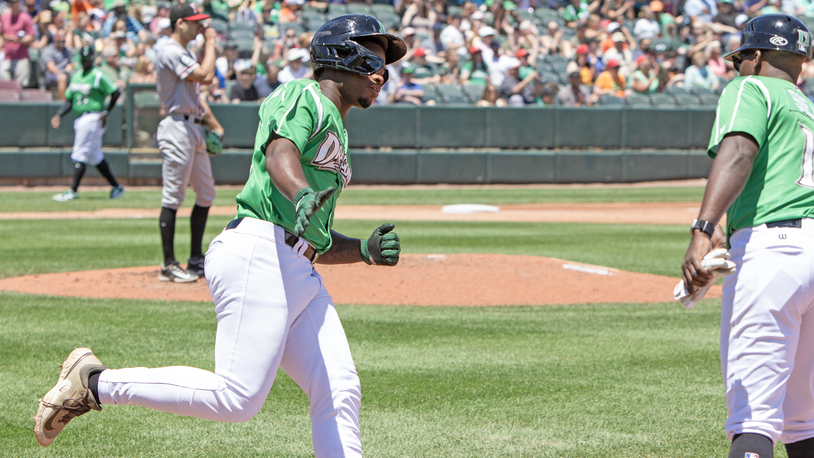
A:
x,y
807,178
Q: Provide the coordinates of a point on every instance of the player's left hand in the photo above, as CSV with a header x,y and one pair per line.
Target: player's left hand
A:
x,y
103,118
383,247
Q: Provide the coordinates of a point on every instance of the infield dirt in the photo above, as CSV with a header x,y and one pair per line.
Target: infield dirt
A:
x,y
419,279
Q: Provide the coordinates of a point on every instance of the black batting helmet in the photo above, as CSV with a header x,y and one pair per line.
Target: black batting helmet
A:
x,y
87,53
335,45
775,32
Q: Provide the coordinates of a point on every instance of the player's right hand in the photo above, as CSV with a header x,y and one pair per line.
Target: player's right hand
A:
x,y
210,34
307,203
55,122
695,275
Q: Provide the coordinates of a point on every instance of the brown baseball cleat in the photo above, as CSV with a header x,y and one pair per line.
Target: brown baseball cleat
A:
x,y
69,398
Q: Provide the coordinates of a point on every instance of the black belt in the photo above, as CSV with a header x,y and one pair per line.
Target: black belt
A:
x,y
796,223
290,240
187,117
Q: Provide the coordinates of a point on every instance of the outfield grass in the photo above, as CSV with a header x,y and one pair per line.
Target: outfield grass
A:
x,y
557,381
606,380
40,246
136,198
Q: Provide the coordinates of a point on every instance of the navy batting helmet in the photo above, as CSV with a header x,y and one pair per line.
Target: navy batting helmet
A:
x,y
87,53
775,32
335,45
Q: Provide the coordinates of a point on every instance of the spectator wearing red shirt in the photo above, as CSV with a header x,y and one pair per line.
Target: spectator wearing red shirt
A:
x,y
18,33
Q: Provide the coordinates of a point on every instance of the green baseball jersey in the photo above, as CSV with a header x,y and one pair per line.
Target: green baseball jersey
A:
x,y
781,120
299,112
88,91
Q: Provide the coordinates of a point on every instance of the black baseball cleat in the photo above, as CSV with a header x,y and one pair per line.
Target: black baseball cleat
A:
x,y
195,265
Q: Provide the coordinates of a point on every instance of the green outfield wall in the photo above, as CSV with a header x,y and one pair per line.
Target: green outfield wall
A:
x,y
403,166
401,144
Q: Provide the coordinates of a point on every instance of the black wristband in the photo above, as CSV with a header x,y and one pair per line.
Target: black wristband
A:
x,y
704,226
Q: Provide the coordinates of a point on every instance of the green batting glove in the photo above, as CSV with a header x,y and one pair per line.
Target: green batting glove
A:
x,y
383,247
308,202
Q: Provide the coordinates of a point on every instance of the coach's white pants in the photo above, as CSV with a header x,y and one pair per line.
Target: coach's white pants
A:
x,y
272,311
767,333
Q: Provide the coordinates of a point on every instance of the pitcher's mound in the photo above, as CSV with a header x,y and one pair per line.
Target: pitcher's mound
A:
x,y
419,279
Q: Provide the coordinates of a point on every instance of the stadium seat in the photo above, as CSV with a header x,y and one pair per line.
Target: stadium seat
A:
x,y
233,26
549,77
609,100
673,90
709,99
430,93
556,59
558,66
700,91
337,8
219,26
662,100
35,95
379,9
245,45
473,92
358,8
543,67
241,35
10,85
636,100
687,100
450,93
9,95
311,17
298,29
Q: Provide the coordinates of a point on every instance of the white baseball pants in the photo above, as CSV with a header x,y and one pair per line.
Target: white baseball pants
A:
x,y
767,333
87,142
272,310
186,162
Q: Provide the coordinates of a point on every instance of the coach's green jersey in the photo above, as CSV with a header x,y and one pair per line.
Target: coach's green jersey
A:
x,y
88,91
299,112
781,120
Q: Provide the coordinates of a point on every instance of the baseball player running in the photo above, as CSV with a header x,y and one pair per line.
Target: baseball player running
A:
x,y
763,177
181,137
86,94
271,304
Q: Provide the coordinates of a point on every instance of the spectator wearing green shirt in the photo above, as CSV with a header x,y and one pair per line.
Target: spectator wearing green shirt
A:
x,y
645,80
579,10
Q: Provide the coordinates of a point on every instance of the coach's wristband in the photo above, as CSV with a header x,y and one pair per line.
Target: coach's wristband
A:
x,y
705,226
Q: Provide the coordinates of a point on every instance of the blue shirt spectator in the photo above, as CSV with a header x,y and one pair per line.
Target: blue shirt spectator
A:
x,y
117,11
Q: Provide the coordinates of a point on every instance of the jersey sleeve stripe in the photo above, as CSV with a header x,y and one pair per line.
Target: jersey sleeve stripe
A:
x,y
318,102
285,116
765,90
737,103
189,70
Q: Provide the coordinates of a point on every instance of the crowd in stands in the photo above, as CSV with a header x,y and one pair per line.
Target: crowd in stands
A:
x,y
483,52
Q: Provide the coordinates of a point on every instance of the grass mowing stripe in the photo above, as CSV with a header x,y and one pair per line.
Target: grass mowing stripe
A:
x,y
151,199
42,246
564,381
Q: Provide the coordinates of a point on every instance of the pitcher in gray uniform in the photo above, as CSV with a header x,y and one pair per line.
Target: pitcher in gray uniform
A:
x,y
181,139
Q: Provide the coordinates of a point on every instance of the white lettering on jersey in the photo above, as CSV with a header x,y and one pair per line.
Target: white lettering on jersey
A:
x,y
804,105
331,156
81,88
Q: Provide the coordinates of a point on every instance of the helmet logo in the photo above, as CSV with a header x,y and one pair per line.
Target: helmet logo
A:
x,y
778,41
803,40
